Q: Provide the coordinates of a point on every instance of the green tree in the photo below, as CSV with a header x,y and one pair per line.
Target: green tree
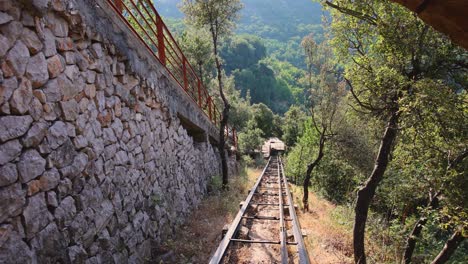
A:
x,y
386,52
218,16
293,125
197,47
243,51
251,138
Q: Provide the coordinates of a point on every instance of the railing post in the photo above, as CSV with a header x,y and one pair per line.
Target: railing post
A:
x,y
199,93
118,5
161,46
209,108
184,70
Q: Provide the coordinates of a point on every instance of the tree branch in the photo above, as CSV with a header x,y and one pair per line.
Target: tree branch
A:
x,y
353,13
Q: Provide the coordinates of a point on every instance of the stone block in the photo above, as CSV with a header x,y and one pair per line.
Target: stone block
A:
x,y
12,127
63,155
9,151
8,174
55,65
21,98
13,199
50,49
6,89
13,249
35,134
37,70
69,109
31,40
17,58
57,134
31,165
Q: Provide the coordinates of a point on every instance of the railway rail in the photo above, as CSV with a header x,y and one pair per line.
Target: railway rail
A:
x,y
266,229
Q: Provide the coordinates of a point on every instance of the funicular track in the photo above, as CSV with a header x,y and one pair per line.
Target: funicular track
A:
x,y
266,229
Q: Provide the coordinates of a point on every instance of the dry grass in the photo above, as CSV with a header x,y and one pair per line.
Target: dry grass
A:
x,y
327,240
199,238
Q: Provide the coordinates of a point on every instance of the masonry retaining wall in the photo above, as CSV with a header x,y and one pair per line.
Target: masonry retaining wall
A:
x,y
95,166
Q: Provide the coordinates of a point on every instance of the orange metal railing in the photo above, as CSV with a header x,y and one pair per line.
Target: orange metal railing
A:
x,y
147,25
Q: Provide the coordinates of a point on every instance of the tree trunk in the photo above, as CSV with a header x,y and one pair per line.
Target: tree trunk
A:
x,y
416,232
449,248
366,193
225,112
310,168
433,201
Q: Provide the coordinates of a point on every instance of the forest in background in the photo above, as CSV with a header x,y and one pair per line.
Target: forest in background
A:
x,y
375,105
264,56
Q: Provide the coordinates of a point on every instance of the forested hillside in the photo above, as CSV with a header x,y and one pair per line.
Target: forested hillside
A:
x,y
373,108
265,56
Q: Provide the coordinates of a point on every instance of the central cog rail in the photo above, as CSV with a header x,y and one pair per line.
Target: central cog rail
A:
x,y
266,229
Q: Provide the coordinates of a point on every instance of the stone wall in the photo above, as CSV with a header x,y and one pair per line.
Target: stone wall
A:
x,y
95,166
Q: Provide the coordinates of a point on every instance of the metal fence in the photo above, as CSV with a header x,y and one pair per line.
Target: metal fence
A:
x,y
147,25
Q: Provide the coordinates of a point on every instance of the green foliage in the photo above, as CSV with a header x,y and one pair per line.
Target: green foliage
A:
x,y
242,52
202,14
292,126
197,47
251,139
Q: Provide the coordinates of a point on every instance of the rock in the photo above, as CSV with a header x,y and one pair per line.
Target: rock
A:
x,y
8,174
69,109
41,5
31,165
6,89
14,249
40,95
96,50
69,89
17,58
31,40
59,5
77,254
52,199
109,136
35,134
80,142
57,134
13,126
90,91
9,151
50,49
57,25
21,98
13,200
121,158
70,58
50,245
49,180
5,18
65,211
12,31
33,187
36,215
64,44
4,45
37,70
36,109
64,155
52,91
55,65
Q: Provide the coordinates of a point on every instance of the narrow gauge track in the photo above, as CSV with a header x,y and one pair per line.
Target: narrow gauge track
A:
x,y
266,229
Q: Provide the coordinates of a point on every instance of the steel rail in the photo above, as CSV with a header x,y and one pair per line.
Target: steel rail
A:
x,y
301,249
220,251
284,248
